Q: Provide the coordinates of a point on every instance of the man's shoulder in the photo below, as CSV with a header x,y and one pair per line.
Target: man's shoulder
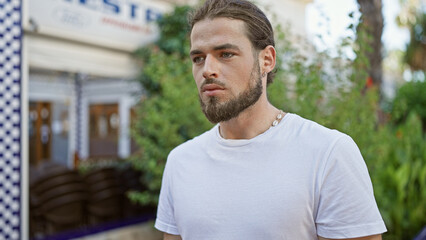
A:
x,y
312,136
317,139
193,146
305,128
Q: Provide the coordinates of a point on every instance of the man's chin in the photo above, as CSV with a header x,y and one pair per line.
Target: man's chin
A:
x,y
212,100
218,113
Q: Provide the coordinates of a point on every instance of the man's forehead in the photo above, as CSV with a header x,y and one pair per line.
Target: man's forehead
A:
x,y
212,33
220,25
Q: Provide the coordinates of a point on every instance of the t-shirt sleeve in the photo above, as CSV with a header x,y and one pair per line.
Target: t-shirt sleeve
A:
x,y
165,220
346,207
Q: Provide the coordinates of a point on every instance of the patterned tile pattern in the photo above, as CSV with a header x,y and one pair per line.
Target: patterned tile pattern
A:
x,y
10,118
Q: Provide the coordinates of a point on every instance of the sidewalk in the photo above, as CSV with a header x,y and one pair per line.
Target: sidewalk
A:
x,y
143,231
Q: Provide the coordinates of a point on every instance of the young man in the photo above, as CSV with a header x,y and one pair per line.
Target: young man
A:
x,y
260,173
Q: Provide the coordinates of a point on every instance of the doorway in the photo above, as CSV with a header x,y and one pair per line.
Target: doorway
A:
x,y
40,134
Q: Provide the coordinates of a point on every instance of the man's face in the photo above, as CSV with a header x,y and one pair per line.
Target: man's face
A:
x,y
225,68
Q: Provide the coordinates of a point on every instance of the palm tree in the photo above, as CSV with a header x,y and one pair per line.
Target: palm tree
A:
x,y
372,24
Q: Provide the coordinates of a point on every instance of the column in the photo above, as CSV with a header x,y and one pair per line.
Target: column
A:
x,y
10,121
124,134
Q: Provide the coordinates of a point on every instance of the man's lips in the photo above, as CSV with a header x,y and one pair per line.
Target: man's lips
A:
x,y
212,89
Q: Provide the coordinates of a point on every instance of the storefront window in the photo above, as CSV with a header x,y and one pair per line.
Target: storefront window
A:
x,y
104,130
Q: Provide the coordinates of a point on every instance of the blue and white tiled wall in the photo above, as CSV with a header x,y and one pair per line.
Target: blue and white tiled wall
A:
x,y
10,119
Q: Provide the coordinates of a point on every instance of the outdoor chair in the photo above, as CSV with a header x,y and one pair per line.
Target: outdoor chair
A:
x,y
105,202
57,202
65,209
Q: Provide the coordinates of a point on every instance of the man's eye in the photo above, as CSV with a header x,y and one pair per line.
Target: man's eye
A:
x,y
227,55
197,59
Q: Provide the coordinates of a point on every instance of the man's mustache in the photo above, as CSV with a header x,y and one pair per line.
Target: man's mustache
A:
x,y
212,81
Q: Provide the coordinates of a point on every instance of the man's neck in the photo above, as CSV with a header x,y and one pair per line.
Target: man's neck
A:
x,y
251,122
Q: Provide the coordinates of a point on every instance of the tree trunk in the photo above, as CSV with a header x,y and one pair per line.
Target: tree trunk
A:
x,y
372,24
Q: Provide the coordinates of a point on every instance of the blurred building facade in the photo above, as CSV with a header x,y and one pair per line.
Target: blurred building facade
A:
x,y
78,55
80,87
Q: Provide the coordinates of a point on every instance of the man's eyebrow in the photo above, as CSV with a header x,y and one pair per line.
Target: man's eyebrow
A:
x,y
226,46
220,47
195,52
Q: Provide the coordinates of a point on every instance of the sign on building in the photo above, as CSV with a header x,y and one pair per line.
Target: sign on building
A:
x,y
120,24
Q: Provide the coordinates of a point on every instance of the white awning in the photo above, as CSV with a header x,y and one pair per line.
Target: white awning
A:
x,y
60,55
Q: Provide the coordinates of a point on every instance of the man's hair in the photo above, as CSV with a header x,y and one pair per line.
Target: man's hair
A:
x,y
258,28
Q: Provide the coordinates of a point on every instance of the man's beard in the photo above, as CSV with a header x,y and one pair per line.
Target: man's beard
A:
x,y
216,111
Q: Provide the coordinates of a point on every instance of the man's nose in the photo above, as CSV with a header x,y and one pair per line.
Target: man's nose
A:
x,y
211,67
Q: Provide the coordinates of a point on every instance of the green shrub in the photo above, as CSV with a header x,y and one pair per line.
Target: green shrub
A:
x,y
395,154
170,114
411,97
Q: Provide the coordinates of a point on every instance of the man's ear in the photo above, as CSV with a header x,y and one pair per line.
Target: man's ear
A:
x,y
267,59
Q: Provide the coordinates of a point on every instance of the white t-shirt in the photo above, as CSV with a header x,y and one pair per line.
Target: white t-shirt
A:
x,y
295,181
